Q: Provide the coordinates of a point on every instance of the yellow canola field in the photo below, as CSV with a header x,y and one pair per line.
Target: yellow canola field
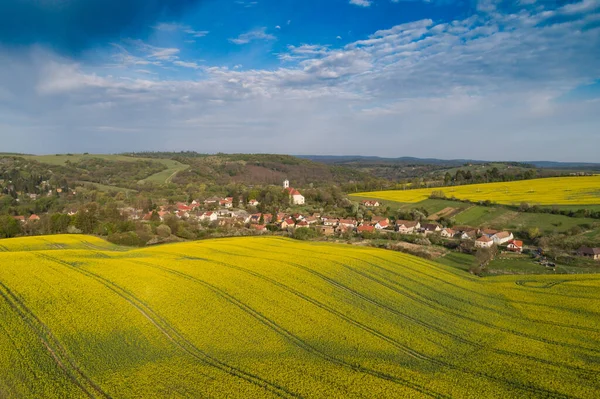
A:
x,y
270,317
580,190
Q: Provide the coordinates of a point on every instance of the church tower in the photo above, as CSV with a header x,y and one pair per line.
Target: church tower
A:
x,y
286,184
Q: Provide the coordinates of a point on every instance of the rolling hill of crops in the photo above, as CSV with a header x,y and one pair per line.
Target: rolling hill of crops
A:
x,y
272,317
581,190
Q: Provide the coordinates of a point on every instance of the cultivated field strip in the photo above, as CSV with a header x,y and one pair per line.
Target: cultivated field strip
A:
x,y
531,389
306,346
422,273
431,300
580,190
272,317
53,345
175,336
418,321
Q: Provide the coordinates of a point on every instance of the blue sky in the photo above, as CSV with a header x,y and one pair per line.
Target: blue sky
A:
x,y
482,79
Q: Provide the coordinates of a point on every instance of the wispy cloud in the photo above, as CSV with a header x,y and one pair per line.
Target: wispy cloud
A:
x,y
256,34
185,64
361,3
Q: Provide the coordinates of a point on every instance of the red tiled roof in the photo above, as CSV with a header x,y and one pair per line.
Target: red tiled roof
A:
x,y
484,239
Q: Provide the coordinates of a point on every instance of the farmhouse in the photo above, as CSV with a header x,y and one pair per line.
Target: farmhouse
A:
x,y
382,224
484,242
348,223
330,221
302,223
515,246
429,228
226,202
592,253
208,216
447,233
407,226
295,196
253,202
287,223
502,237
19,218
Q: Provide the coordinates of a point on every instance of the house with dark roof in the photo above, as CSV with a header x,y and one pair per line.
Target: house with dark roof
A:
x,y
592,253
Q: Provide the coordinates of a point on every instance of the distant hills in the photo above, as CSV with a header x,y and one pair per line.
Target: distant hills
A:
x,y
347,159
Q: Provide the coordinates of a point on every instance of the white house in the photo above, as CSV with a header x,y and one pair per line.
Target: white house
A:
x,y
484,242
407,226
502,237
447,233
209,216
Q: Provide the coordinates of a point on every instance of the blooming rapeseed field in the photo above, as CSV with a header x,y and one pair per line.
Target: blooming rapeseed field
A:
x,y
272,317
580,190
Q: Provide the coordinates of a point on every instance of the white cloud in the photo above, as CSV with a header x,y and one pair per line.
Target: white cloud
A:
x,y
361,3
256,34
185,64
170,26
197,33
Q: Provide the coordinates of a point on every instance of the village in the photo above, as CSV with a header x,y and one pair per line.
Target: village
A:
x,y
222,212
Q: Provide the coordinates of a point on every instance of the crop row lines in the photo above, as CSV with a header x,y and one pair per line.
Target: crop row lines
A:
x,y
52,345
294,338
440,363
176,337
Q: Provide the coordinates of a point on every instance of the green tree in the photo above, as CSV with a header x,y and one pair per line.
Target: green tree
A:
x,y
9,227
87,218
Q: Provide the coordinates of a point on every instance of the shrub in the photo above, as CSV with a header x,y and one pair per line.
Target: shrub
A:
x,y
130,239
304,233
163,230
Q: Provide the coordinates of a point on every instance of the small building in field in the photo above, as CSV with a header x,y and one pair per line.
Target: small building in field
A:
x,y
592,253
34,218
484,242
515,246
